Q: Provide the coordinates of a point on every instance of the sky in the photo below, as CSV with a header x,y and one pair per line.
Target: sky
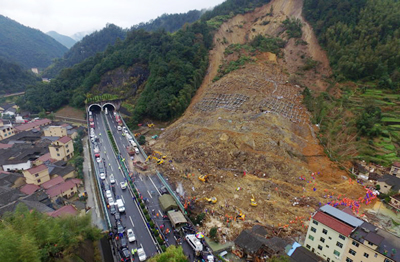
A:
x,y
68,17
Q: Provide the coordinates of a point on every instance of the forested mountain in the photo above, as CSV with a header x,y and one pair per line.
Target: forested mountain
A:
x,y
176,62
362,38
66,41
13,78
170,22
87,47
27,46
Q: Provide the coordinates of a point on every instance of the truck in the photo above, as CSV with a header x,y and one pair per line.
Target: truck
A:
x,y
139,164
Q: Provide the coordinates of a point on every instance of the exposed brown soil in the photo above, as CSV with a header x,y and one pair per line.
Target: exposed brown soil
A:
x,y
68,111
251,133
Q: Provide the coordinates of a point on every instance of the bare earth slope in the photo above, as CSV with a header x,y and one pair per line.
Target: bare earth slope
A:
x,y
251,133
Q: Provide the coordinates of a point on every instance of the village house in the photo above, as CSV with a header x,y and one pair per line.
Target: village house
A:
x,y
389,183
395,169
65,189
58,131
395,201
37,175
6,130
34,124
9,109
62,149
335,235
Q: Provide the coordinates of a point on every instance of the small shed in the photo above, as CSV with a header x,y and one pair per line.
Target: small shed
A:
x,y
176,218
167,202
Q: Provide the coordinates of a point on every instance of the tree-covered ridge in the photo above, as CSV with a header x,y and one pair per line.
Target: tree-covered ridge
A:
x,y
13,78
87,47
170,22
362,38
27,46
30,236
177,64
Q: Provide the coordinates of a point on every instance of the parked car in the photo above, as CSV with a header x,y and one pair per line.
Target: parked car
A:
x,y
123,242
117,216
113,210
111,201
131,235
98,159
120,227
141,254
123,184
102,176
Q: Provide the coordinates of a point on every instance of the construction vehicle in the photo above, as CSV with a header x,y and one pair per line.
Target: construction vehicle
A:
x,y
150,125
203,178
211,200
253,202
159,155
148,158
137,134
159,160
142,166
241,216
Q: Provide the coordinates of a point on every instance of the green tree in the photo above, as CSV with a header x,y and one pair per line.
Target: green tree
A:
x,y
368,123
172,254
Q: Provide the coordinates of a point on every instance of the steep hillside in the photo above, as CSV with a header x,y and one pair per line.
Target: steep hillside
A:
x,y
250,131
27,46
91,44
13,78
66,41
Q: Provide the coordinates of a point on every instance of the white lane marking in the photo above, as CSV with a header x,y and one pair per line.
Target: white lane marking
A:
x,y
133,225
140,177
123,198
161,214
149,194
112,169
131,193
154,186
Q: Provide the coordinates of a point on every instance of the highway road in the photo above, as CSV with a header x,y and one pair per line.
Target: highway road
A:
x,y
148,185
132,218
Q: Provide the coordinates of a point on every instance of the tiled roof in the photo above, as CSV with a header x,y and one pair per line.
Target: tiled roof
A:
x,y
52,182
3,146
33,124
29,189
37,169
301,254
396,164
333,223
64,139
44,158
60,188
65,210
391,180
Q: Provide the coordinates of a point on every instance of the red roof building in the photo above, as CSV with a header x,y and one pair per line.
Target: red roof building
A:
x,y
52,182
333,223
64,139
5,146
36,169
35,124
65,189
65,210
29,189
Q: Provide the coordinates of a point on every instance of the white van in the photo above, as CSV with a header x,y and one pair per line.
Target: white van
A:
x,y
120,204
194,242
132,143
136,151
90,113
119,128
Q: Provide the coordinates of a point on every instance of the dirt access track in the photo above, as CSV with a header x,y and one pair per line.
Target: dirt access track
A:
x,y
251,134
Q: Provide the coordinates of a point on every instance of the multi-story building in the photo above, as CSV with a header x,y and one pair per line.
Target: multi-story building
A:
x,y
6,131
59,131
338,236
62,149
37,175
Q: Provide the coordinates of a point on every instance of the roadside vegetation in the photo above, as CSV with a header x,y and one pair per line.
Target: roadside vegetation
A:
x,y
32,236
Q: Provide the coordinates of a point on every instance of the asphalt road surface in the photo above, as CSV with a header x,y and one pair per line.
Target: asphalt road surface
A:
x,y
131,218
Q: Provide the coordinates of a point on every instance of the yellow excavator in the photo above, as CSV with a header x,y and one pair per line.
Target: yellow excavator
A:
x,y
241,216
158,154
159,160
150,125
148,158
203,178
253,202
211,200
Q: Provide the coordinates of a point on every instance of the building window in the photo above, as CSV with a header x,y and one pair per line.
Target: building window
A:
x,y
339,244
313,229
322,240
308,246
355,243
319,247
36,175
66,146
387,260
58,154
68,151
336,253
39,180
311,237
349,259
325,231
315,222
376,255
57,149
366,255
371,244
342,237
351,251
